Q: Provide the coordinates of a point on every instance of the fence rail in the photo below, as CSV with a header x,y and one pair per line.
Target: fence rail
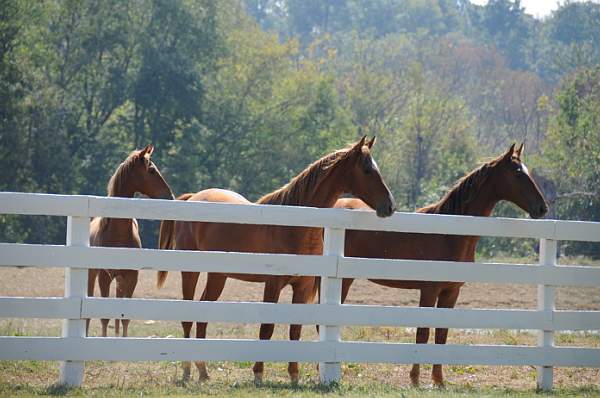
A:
x,y
305,314
73,348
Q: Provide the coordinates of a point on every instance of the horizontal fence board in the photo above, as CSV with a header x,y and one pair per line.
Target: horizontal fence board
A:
x,y
180,310
217,212
467,355
306,314
24,255
350,267
36,307
576,320
44,204
313,217
578,230
150,349
344,315
13,254
147,349
89,206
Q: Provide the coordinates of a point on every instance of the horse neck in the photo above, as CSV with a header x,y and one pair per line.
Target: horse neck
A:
x,y
481,205
325,192
483,202
119,225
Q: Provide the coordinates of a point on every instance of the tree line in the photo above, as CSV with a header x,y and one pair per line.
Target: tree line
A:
x,y
244,94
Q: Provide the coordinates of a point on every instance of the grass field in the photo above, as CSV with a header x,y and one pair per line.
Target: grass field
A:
x,y
29,378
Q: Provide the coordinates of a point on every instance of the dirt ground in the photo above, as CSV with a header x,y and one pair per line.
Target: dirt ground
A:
x,y
49,282
30,282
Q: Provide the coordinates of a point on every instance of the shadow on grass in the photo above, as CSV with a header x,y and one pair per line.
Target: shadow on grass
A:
x,y
60,389
275,387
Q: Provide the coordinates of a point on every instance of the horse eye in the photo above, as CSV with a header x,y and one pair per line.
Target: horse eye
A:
x,y
152,170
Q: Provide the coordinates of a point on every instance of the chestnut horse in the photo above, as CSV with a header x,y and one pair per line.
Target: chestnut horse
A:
x,y
136,174
476,194
351,170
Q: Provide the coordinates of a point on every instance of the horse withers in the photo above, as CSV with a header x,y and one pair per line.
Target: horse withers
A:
x,y
351,170
476,194
137,174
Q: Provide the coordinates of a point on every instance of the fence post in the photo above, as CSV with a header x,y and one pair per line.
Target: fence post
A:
x,y
545,298
78,234
331,293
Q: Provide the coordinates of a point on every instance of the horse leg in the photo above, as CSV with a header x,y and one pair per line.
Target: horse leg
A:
x,y
104,280
125,288
302,294
92,276
346,283
189,280
446,299
212,291
118,294
270,295
428,299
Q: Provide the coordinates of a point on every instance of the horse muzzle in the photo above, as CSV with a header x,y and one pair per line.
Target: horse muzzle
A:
x,y
385,209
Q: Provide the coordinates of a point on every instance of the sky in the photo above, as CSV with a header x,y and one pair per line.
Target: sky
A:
x,y
537,8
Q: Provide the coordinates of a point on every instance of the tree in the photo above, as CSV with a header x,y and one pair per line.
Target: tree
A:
x,y
505,23
572,150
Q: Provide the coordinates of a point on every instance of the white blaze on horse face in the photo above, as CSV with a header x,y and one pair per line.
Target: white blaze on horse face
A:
x,y
525,169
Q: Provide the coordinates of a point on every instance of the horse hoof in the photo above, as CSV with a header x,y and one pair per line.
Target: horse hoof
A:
x,y
414,382
185,378
183,381
258,379
294,378
439,384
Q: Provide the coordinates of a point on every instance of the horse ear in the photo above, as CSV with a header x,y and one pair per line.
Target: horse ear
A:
x,y
371,142
148,150
519,150
360,143
509,154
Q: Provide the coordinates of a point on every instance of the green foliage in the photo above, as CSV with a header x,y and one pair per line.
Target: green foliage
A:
x,y
244,94
572,150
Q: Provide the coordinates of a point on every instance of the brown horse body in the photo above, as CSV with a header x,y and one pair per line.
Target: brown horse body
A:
x,y
136,174
476,194
320,185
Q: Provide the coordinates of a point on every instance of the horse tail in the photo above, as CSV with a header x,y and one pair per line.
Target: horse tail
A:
x,y
316,294
166,240
161,278
165,236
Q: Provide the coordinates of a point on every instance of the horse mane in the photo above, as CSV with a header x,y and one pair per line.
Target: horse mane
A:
x,y
294,191
463,192
117,181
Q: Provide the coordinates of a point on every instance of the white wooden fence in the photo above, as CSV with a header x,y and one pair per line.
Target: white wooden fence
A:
x,y
73,347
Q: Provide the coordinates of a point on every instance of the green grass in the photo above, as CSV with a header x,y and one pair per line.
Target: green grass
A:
x,y
284,390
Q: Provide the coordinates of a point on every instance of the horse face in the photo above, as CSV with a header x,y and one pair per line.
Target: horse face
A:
x,y
517,185
365,181
148,179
